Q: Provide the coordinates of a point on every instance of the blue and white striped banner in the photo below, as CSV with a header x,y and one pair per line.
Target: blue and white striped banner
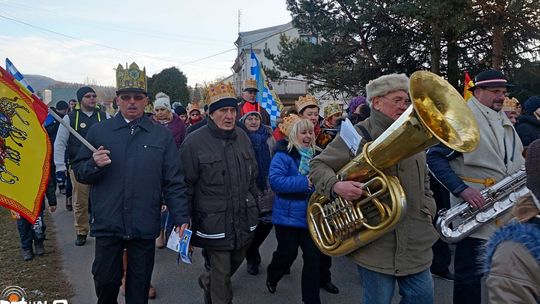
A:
x,y
266,97
17,75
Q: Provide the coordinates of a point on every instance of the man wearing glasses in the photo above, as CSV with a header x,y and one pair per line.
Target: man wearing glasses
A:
x,y
402,256
498,155
80,119
136,165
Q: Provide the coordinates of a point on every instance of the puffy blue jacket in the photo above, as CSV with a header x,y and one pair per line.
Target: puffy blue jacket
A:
x,y
291,188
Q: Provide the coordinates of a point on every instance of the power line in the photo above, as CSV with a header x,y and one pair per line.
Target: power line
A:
x,y
107,46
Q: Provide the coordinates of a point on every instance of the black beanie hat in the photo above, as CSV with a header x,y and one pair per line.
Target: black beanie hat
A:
x,y
82,91
180,110
61,105
532,104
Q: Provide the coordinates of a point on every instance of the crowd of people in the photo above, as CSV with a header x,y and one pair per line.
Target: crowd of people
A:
x,y
222,171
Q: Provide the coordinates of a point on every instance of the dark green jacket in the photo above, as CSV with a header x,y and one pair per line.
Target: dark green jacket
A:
x,y
407,249
220,172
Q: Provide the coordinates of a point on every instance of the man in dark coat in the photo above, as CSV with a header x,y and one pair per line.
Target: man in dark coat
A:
x,y
528,127
136,163
221,172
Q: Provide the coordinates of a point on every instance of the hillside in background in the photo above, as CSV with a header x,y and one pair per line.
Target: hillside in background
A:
x,y
64,90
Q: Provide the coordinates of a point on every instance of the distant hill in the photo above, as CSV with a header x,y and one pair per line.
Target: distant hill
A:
x,y
63,90
39,82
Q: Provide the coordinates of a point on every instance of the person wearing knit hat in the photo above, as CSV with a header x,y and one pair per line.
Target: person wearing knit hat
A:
x,y
165,117
162,101
80,119
512,258
182,113
263,144
221,174
194,113
528,126
498,155
248,102
392,258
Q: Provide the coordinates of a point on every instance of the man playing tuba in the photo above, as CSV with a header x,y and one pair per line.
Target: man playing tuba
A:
x,y
403,254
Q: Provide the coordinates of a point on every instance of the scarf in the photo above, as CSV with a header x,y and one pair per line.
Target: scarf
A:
x,y
306,156
262,154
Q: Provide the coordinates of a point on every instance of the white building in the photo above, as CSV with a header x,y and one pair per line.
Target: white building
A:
x,y
258,40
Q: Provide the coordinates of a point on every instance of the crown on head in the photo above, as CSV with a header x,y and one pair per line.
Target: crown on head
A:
x,y
130,77
510,105
286,126
331,109
304,101
220,91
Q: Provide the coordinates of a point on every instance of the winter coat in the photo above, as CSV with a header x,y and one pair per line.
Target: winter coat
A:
x,y
499,154
178,129
220,172
528,129
125,195
290,186
266,197
512,264
406,249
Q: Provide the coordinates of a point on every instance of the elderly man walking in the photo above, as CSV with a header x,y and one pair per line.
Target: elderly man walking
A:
x,y
137,163
221,173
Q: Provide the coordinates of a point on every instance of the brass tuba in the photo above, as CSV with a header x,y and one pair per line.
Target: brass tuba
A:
x,y
438,114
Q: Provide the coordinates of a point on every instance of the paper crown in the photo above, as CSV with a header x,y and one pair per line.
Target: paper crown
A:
x,y
331,109
286,125
220,91
250,84
130,79
510,105
305,101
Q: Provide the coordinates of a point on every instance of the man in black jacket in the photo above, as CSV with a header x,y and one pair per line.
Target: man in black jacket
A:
x,y
221,171
136,163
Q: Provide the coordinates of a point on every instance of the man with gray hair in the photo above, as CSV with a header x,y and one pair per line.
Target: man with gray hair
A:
x,y
404,254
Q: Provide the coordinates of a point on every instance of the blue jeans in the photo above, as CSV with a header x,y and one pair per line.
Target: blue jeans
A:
x,y
378,288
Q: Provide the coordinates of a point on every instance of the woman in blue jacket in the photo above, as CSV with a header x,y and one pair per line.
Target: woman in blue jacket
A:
x,y
288,178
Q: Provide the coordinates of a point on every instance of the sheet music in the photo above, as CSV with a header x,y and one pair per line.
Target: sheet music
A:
x,y
349,135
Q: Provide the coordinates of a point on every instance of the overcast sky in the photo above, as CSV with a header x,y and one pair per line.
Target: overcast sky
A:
x,y
74,41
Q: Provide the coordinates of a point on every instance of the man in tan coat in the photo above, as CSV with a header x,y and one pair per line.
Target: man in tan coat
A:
x,y
404,254
465,175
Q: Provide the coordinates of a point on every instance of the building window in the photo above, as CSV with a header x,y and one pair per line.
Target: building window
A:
x,y
313,39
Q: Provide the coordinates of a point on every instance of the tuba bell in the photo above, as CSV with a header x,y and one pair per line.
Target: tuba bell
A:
x,y
438,113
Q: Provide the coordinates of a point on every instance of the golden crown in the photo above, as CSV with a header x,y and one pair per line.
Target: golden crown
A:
x,y
220,91
331,109
130,77
304,101
288,121
250,84
193,107
510,105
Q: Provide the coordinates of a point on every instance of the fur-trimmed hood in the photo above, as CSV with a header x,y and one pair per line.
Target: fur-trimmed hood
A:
x,y
526,234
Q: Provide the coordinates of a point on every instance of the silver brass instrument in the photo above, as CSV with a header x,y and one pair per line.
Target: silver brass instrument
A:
x,y
462,220
438,114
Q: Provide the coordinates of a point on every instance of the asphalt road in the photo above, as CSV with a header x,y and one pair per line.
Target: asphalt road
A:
x,y
178,283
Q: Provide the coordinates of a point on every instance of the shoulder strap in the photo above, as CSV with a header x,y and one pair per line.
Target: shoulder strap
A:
x,y
365,133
